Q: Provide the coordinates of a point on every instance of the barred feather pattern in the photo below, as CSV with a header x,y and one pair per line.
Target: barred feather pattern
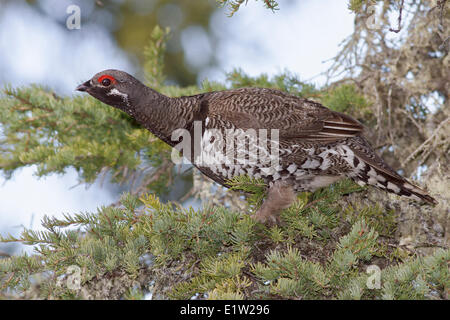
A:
x,y
309,160
317,146
310,166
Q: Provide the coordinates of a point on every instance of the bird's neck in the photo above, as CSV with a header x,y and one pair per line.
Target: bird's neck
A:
x,y
160,114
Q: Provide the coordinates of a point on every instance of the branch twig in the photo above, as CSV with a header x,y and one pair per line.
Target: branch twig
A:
x,y
399,27
412,155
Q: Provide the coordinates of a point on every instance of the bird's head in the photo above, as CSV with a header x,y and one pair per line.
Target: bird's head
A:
x,y
114,87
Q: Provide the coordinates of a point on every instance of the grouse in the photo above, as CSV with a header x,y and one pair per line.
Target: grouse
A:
x,y
293,144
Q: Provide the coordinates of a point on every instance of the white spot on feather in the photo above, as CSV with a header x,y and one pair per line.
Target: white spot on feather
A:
x,y
310,164
393,187
300,174
380,185
413,188
292,168
372,172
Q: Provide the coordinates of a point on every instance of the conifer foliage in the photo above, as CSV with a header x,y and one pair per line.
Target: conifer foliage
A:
x,y
339,242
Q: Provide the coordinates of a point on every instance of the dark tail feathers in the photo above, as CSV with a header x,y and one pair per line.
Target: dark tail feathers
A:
x,y
381,176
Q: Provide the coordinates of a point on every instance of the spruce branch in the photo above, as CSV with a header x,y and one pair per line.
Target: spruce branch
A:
x,y
234,5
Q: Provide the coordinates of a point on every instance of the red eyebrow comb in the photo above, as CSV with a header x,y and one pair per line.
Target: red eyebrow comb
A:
x,y
113,80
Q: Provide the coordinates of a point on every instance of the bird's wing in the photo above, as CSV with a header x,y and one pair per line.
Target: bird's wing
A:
x,y
294,117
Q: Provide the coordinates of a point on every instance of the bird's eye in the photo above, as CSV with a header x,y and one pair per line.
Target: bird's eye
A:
x,y
106,82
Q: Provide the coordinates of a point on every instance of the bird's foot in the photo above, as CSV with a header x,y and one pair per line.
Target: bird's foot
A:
x,y
262,216
280,196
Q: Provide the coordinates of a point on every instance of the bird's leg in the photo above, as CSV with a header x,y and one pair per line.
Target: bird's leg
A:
x,y
280,196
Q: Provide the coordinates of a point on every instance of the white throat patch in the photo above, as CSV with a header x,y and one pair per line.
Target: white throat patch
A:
x,y
115,92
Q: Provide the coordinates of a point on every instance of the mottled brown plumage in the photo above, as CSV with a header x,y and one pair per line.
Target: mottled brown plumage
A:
x,y
317,146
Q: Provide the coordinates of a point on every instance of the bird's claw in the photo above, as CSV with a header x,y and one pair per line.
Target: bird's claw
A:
x,y
266,219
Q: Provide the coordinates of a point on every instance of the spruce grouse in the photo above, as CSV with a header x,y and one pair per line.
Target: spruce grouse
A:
x,y
305,145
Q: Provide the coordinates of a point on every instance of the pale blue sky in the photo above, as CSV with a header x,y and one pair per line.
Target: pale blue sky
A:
x,y
35,49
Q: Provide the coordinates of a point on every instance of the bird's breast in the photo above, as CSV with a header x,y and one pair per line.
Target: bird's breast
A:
x,y
228,153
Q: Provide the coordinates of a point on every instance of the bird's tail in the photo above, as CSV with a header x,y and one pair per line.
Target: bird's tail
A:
x,y
375,172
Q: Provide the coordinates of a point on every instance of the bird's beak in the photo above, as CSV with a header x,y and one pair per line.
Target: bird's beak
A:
x,y
84,86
